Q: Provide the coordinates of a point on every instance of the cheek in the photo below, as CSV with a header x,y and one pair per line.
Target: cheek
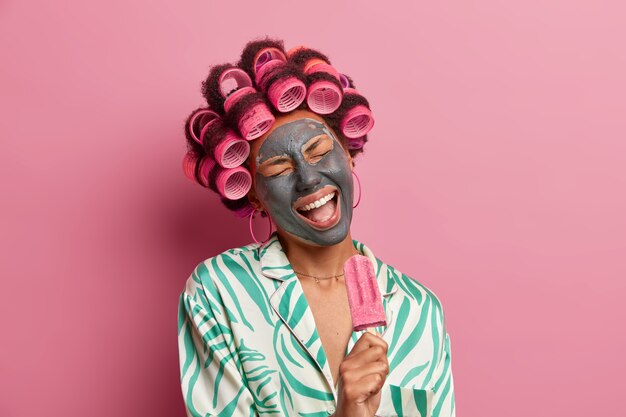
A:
x,y
337,163
261,188
272,191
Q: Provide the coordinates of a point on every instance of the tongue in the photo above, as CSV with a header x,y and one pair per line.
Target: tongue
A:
x,y
321,213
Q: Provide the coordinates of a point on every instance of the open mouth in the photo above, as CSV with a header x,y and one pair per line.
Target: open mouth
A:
x,y
323,213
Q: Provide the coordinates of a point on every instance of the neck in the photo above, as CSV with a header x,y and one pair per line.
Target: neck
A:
x,y
320,261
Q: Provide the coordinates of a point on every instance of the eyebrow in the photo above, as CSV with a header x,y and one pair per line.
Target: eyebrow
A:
x,y
275,160
317,140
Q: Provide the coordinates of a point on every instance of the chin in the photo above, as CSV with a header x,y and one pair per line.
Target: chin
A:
x,y
324,238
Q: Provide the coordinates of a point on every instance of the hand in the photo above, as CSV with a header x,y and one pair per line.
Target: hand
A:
x,y
361,376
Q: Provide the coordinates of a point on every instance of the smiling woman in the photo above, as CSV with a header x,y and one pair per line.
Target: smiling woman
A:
x,y
267,328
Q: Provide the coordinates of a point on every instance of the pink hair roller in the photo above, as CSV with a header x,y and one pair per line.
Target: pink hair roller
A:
x,y
322,67
208,125
266,55
233,79
263,70
189,166
358,121
234,97
235,84
190,163
204,118
324,97
232,183
356,143
206,164
345,83
257,120
286,94
232,150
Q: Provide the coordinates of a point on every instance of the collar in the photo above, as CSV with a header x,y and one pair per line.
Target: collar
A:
x,y
275,265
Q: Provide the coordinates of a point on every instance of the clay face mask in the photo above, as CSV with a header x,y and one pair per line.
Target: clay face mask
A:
x,y
304,180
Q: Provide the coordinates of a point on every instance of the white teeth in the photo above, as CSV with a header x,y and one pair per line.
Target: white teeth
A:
x,y
318,203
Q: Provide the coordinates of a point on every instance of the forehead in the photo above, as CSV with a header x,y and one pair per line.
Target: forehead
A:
x,y
290,137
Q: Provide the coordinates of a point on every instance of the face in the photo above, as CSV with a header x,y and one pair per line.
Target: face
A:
x,y
303,178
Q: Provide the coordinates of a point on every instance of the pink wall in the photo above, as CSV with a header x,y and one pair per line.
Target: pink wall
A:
x,y
501,128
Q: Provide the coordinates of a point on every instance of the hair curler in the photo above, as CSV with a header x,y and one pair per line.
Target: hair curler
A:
x,y
266,55
324,92
200,121
311,63
357,121
234,84
323,96
285,93
234,183
189,166
345,82
257,120
232,150
356,143
233,79
231,183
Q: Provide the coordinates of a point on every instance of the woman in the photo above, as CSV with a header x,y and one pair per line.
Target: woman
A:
x,y
266,328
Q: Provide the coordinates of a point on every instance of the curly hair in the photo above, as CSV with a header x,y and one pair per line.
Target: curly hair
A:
x,y
243,100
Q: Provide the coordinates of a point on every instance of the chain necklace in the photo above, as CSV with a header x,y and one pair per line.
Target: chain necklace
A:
x,y
318,279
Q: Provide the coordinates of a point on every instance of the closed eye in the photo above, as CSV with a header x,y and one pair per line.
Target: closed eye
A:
x,y
319,157
283,172
317,148
275,166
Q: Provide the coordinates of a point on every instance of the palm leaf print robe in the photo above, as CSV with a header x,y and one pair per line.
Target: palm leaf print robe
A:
x,y
248,345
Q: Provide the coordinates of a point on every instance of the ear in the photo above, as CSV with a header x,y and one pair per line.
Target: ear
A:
x,y
254,200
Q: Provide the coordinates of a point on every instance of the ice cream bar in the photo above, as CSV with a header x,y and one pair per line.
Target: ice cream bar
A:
x,y
366,304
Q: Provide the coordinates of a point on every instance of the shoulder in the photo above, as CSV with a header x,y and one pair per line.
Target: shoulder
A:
x,y
419,296
205,277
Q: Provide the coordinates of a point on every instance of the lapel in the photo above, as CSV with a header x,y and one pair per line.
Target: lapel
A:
x,y
290,304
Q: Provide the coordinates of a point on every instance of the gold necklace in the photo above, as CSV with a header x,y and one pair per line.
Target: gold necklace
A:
x,y
318,279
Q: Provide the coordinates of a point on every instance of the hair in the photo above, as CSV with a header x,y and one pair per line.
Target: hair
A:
x,y
233,116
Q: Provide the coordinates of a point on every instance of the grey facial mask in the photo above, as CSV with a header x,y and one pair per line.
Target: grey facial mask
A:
x,y
279,193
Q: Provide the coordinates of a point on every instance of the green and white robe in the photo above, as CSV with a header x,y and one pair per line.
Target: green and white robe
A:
x,y
248,344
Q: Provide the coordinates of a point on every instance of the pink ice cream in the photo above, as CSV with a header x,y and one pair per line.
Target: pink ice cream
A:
x,y
366,304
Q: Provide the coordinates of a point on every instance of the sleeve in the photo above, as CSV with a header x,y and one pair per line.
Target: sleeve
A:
x,y
443,398
211,381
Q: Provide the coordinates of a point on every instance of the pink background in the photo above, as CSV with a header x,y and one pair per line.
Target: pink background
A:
x,y
495,175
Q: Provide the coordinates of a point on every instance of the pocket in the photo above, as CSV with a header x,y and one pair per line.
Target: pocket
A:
x,y
405,402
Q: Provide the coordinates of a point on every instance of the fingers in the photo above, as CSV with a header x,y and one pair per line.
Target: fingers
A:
x,y
362,374
356,374
367,340
372,354
364,388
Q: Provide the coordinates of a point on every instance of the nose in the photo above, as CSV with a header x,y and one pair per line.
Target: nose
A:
x,y
308,177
